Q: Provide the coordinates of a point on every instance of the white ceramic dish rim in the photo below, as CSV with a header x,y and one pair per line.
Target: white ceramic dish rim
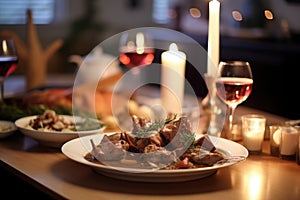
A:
x,y
11,125
52,138
77,148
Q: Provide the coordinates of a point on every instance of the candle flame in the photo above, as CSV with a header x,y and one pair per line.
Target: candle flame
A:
x,y
4,46
140,42
173,47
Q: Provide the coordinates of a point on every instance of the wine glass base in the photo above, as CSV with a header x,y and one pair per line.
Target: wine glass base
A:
x,y
235,134
236,138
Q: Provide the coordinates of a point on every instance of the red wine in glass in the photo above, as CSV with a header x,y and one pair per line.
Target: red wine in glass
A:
x,y
233,86
233,90
8,65
8,62
134,59
136,50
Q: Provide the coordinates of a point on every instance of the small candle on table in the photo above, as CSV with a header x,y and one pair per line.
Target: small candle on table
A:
x,y
213,47
253,140
253,132
172,79
288,143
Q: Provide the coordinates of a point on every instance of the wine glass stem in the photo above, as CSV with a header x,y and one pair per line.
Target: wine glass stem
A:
x,y
230,118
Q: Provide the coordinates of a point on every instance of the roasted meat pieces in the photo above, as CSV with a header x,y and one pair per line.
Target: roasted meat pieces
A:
x,y
166,144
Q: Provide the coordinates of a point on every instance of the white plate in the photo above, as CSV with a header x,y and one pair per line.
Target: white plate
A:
x,y
52,138
7,128
76,150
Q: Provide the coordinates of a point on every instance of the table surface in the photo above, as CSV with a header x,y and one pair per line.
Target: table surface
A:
x,y
48,169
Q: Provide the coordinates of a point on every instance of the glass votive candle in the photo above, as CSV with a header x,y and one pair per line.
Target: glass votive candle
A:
x,y
253,130
288,142
296,124
275,133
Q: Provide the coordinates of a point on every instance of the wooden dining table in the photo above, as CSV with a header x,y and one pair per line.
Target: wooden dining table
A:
x,y
51,174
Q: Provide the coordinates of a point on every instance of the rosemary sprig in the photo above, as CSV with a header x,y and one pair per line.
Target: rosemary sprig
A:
x,y
144,132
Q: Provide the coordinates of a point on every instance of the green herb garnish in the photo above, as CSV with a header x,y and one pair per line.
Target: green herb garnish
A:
x,y
154,126
88,124
144,131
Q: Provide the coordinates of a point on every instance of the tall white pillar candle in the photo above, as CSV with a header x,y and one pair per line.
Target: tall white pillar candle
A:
x,y
213,47
172,79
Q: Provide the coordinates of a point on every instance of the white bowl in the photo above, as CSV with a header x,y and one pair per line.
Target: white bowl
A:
x,y
7,128
52,138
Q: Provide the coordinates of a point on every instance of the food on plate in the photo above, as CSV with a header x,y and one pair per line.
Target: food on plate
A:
x,y
17,107
50,97
50,121
5,128
53,97
165,144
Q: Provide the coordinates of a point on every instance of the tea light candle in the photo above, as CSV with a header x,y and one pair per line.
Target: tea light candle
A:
x,y
253,131
288,143
213,46
172,79
253,140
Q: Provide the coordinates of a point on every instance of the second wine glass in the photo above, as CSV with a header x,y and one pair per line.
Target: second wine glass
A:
x,y
233,85
8,62
136,50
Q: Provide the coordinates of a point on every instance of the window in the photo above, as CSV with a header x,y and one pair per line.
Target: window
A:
x,y
14,11
161,11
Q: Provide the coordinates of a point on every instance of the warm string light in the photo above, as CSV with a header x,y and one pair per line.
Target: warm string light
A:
x,y
195,12
238,16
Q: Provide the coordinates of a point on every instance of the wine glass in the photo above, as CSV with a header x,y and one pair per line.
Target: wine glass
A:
x,y
136,50
233,86
8,62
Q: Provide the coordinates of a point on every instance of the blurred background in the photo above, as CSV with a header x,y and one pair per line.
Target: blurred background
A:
x,y
264,32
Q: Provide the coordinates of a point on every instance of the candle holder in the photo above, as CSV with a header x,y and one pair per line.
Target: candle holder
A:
x,y
288,142
215,110
275,134
253,128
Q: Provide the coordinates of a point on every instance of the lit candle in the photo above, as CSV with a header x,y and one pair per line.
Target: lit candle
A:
x,y
288,143
213,46
253,140
253,131
172,79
